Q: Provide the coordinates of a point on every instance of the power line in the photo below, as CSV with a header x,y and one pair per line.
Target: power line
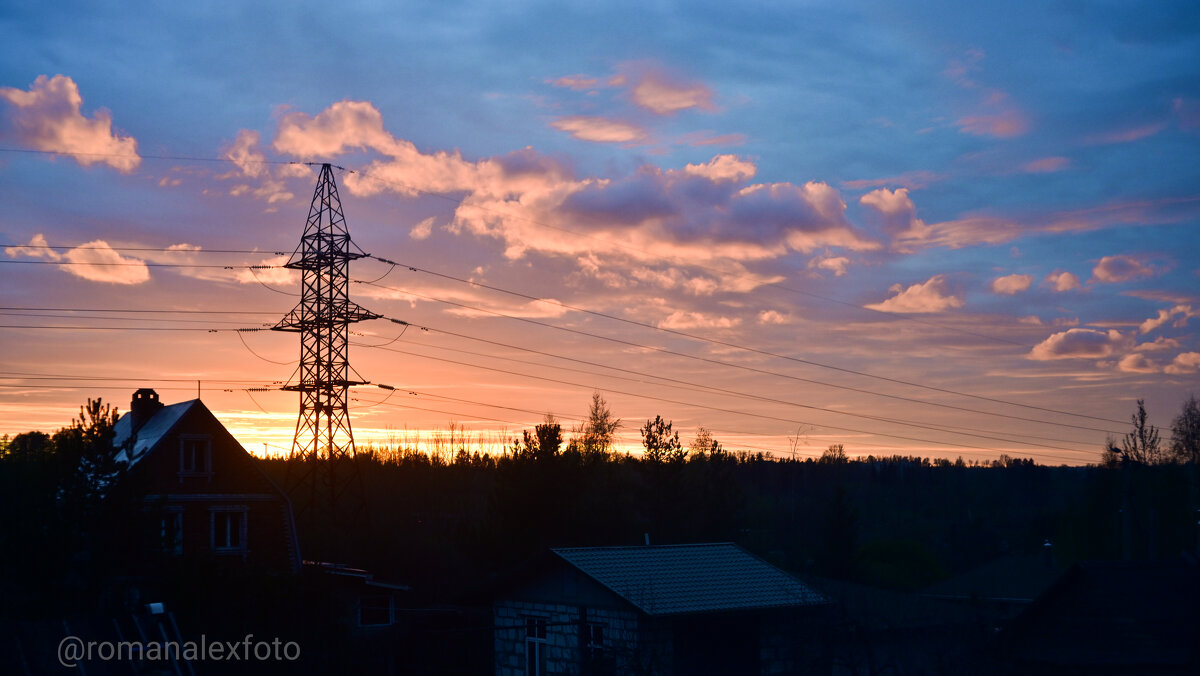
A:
x,y
698,387
459,201
696,405
744,367
724,343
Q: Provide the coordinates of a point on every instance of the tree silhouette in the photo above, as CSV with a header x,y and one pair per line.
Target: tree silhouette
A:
x,y
1142,445
1185,433
600,430
662,445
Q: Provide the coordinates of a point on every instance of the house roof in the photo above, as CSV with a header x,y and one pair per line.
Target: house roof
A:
x,y
698,578
150,433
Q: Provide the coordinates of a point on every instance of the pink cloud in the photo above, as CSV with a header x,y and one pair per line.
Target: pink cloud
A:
x,y
895,210
1010,285
1183,364
707,139
682,319
773,317
576,82
1046,165
1062,281
706,213
1188,112
1127,135
664,94
1003,124
48,117
600,129
1120,268
1160,343
1137,363
929,296
95,261
1078,344
913,180
835,264
1180,313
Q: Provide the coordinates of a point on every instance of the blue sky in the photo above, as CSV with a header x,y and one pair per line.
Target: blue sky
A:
x,y
996,202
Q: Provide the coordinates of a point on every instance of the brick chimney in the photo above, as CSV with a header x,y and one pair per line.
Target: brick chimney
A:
x,y
145,404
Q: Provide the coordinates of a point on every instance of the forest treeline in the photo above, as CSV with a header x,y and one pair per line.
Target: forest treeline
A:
x,y
449,524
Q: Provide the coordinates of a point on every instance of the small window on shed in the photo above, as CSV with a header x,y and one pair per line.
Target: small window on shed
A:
x,y
374,610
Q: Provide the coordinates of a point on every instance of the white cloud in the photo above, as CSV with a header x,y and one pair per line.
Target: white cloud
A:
x,y
682,319
1137,363
422,230
98,262
1011,284
773,317
929,296
1183,364
1078,344
1181,313
1062,281
1121,268
600,129
835,264
48,117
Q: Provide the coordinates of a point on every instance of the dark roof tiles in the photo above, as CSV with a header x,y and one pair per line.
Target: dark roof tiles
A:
x,y
698,578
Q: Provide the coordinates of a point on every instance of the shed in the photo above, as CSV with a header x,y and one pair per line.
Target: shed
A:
x,y
709,608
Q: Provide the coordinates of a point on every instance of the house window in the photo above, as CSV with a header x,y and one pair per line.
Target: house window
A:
x,y
374,610
593,641
195,455
171,534
228,529
535,646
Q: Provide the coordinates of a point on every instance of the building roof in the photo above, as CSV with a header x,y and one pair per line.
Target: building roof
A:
x,y
149,433
682,579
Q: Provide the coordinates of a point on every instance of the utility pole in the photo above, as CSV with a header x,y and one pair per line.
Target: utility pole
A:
x,y
323,446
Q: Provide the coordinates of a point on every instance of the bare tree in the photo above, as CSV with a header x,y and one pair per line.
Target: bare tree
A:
x,y
1142,445
1185,433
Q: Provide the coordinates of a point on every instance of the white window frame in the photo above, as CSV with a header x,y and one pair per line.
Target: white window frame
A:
x,y
536,643
226,513
195,455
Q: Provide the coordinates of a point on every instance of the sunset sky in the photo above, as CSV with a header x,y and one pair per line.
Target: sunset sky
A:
x,y
941,230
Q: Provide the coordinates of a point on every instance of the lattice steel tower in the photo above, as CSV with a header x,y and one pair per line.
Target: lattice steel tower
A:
x,y
323,433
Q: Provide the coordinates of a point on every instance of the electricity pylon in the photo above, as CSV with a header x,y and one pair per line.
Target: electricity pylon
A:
x,y
324,439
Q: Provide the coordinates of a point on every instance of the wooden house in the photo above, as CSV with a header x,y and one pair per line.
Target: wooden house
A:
x,y
207,494
673,609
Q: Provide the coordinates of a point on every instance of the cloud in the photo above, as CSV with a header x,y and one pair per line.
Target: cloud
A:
x,y
706,138
38,247
929,296
1160,343
1005,123
576,82
913,180
1120,268
94,261
705,213
683,319
773,317
1062,281
251,163
1010,285
1046,165
1126,135
1186,363
1181,312
422,230
1137,363
835,264
48,117
897,214
1078,344
275,275
600,129
994,114
665,94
